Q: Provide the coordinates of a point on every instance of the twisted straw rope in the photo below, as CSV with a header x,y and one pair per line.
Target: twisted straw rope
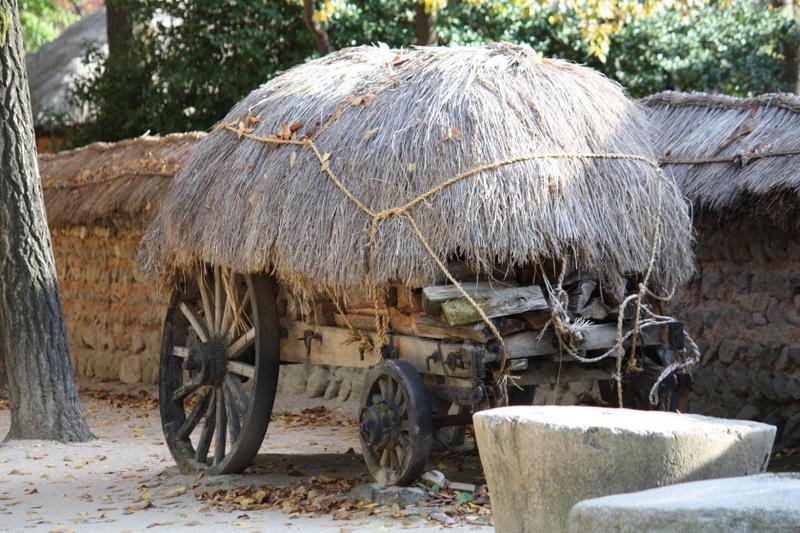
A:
x,y
376,217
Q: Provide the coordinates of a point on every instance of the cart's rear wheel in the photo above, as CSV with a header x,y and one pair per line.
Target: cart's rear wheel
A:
x,y
396,424
220,356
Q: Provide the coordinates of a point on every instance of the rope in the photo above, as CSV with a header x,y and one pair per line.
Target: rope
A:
x,y
561,325
738,159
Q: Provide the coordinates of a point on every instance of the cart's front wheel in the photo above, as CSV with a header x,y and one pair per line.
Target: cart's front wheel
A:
x,y
396,424
220,356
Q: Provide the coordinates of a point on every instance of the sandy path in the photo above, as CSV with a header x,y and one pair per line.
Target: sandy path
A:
x,y
125,480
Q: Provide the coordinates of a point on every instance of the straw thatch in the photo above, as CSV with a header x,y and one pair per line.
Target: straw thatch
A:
x,y
398,123
111,180
727,152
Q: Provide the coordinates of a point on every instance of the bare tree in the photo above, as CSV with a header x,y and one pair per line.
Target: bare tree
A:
x,y
321,40
33,341
425,26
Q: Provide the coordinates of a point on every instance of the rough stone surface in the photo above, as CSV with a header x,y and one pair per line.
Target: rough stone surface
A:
x,y
130,369
791,431
562,455
317,381
767,502
375,493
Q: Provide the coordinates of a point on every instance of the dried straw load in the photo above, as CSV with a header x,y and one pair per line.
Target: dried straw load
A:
x,y
738,160
99,199
341,171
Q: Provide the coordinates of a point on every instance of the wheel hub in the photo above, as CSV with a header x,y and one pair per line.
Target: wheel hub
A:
x,y
379,425
211,359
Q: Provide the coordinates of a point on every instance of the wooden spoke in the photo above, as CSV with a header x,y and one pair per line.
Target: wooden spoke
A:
x,y
241,369
385,457
405,425
237,315
180,351
395,458
221,429
236,389
194,417
386,392
401,455
201,283
227,313
398,395
405,440
204,443
195,322
184,391
234,426
217,299
242,343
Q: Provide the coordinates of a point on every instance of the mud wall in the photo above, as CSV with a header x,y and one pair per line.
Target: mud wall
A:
x,y
112,319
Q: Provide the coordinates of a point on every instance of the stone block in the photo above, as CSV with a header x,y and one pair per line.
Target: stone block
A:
x,y
540,461
317,381
793,385
749,412
770,281
791,431
344,390
130,369
292,379
730,348
737,378
767,502
332,390
709,286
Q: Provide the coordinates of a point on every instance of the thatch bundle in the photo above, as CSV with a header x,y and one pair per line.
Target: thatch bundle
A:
x,y
727,152
397,124
111,180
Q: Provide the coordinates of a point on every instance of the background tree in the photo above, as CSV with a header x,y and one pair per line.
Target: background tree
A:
x,y
42,21
33,342
191,61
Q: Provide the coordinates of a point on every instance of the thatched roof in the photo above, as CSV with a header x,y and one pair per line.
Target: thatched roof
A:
x,y
727,152
54,67
396,124
111,180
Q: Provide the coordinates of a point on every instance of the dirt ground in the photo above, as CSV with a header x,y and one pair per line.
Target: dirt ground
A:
x,y
125,480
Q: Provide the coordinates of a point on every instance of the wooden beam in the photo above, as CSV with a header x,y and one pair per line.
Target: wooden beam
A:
x,y
500,302
325,345
433,297
597,337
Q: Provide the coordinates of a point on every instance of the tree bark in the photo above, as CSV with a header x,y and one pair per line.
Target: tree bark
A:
x,y
321,40
118,28
425,26
43,396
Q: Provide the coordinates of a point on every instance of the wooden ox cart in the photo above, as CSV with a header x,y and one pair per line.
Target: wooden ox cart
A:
x,y
466,223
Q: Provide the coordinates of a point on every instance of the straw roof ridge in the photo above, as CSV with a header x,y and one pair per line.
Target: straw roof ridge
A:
x,y
397,123
752,144
111,180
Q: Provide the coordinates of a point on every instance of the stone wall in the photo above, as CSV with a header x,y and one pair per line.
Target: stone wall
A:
x,y
743,308
113,322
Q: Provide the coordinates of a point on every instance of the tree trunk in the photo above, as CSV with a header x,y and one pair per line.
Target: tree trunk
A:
x,y
791,54
321,40
425,26
118,28
43,396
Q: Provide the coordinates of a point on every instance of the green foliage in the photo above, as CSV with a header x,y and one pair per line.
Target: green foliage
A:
x,y
42,21
192,60
736,49
189,67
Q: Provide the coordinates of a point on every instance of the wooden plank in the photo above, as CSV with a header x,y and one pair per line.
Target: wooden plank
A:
x,y
597,337
434,296
426,326
362,322
333,346
549,372
500,302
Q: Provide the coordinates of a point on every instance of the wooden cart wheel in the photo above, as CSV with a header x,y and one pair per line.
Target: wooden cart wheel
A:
x,y
220,356
396,424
